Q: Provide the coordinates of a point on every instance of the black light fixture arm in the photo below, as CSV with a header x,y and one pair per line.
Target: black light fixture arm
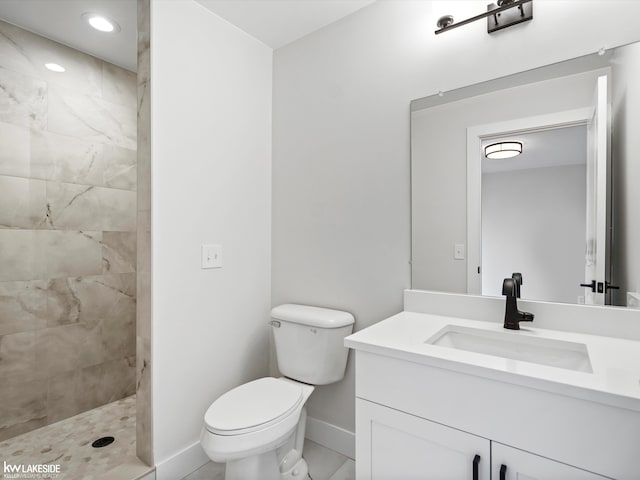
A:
x,y
489,13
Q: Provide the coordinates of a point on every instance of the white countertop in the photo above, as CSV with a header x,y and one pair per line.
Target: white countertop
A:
x,y
615,362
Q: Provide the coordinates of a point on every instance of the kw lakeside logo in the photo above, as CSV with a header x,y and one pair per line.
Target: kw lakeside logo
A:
x,y
35,471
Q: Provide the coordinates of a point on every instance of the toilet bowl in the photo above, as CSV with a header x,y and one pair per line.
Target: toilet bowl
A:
x,y
258,428
245,427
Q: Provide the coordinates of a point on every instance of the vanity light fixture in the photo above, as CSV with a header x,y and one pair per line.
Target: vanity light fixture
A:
x,y
502,150
101,23
54,67
503,15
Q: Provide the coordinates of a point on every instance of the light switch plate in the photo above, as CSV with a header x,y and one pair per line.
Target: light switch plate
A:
x,y
211,256
458,251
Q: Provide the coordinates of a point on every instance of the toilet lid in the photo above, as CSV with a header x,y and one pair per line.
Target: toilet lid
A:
x,y
252,406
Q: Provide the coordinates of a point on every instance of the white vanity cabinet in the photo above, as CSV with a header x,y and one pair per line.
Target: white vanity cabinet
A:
x,y
396,445
512,464
419,421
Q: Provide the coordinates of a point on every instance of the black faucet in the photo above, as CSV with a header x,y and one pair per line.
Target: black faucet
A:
x,y
513,316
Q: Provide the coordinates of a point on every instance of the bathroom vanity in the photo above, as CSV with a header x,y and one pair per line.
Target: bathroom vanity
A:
x,y
456,396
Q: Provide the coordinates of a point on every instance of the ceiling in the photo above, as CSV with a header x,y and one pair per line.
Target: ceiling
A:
x,y
273,22
279,22
60,20
545,148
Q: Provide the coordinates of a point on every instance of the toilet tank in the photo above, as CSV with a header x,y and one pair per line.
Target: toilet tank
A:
x,y
309,342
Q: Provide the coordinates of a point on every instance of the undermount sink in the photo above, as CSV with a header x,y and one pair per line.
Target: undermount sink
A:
x,y
543,351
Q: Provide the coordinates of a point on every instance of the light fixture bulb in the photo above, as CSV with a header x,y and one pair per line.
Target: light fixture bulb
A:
x,y
503,150
101,23
54,67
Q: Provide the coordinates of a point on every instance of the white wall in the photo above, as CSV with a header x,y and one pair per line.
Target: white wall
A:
x,y
341,201
533,221
211,171
626,172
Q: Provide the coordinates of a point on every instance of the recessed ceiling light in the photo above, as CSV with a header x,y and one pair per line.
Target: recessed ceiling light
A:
x,y
503,150
102,23
54,67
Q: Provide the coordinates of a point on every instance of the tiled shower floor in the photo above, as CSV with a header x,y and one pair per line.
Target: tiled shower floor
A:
x,y
68,443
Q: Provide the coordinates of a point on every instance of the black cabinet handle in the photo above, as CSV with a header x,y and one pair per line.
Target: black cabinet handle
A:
x,y
591,285
476,461
608,286
503,472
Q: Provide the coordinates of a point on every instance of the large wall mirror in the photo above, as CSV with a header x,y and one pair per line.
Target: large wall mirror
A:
x,y
535,173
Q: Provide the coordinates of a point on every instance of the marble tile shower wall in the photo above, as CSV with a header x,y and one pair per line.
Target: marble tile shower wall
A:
x,y
67,232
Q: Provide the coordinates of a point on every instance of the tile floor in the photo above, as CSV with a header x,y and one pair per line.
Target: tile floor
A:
x,y
68,443
324,464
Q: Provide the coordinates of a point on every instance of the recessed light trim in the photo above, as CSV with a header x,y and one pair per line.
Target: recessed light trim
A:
x,y
101,22
54,67
503,150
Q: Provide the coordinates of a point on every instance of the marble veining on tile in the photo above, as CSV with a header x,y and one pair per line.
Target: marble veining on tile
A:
x,y
68,444
34,204
120,167
23,100
68,159
90,118
68,216
81,207
65,159
106,302
71,253
23,306
119,252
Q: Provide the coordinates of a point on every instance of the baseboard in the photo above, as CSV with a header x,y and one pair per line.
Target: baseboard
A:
x,y
331,436
182,463
148,476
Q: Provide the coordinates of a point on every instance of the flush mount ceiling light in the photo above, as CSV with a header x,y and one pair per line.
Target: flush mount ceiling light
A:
x,y
503,150
101,23
54,67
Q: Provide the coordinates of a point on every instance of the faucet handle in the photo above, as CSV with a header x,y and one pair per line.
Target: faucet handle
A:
x,y
509,287
517,277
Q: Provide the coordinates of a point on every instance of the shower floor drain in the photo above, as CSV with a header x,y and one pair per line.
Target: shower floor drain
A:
x,y
103,442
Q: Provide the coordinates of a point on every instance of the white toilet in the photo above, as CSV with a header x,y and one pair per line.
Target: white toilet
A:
x,y
258,428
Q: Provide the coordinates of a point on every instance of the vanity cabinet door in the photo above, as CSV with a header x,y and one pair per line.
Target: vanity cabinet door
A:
x,y
392,445
513,464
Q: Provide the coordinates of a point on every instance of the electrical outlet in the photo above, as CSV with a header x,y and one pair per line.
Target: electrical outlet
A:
x,y
211,256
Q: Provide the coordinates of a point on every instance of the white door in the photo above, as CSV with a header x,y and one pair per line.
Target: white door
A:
x,y
597,231
512,464
393,445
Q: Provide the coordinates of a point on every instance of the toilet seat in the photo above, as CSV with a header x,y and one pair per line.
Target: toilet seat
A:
x,y
253,406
